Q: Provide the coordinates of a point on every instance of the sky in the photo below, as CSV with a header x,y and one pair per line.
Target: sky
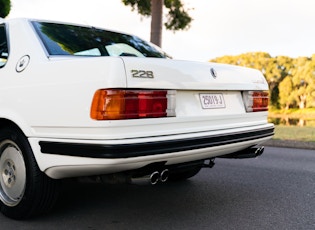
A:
x,y
219,27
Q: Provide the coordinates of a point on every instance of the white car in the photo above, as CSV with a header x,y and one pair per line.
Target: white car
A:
x,y
79,101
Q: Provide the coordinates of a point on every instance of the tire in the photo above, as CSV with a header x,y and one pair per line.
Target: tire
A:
x,y
25,191
184,173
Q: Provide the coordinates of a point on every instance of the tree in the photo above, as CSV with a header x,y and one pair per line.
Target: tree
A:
x,y
304,82
285,93
177,16
5,7
156,21
277,69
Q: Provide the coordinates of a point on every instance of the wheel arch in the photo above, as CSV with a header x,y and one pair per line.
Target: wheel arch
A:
x,y
5,122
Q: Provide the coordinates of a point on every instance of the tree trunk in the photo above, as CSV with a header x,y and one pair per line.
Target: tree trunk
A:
x,y
156,21
302,102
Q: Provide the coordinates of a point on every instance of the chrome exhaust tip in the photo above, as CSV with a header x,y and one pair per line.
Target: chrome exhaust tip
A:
x,y
154,177
164,175
251,152
259,151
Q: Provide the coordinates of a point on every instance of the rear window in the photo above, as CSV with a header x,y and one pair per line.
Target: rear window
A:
x,y
64,39
4,51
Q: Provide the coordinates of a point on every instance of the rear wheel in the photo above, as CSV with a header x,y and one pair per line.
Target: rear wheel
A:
x,y
24,190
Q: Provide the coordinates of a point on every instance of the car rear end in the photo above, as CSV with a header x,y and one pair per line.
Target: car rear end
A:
x,y
143,109
179,112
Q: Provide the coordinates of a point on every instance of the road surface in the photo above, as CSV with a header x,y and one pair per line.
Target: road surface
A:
x,y
274,191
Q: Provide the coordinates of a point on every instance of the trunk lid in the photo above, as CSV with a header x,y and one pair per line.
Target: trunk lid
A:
x,y
156,73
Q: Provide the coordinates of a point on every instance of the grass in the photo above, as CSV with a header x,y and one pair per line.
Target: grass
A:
x,y
287,124
306,134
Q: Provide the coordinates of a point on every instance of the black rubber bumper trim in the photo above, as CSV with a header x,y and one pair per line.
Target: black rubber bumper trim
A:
x,y
149,148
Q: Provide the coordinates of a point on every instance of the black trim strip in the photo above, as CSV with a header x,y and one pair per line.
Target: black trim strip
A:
x,y
149,148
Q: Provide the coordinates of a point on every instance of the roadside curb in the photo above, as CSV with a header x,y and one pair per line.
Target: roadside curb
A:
x,y
290,144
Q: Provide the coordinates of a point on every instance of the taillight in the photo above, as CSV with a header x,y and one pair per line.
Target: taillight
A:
x,y
256,101
115,104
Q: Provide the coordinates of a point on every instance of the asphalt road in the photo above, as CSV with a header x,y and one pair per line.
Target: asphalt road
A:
x,y
274,191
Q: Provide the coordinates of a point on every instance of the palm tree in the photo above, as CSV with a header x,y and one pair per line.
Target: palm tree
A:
x,y
177,16
5,7
156,21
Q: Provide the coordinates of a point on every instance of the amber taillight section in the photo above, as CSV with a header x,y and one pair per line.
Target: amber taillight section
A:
x,y
116,104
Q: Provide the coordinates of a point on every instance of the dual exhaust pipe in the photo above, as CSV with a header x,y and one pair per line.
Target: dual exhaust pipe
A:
x,y
246,153
153,178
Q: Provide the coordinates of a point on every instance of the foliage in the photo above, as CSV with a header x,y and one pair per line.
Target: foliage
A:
x,y
5,7
285,89
142,6
177,16
291,80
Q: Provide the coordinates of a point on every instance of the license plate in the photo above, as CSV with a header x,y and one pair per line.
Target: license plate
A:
x,y
212,100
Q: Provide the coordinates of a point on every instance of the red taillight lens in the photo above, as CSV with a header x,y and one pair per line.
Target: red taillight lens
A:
x,y
256,101
152,104
132,104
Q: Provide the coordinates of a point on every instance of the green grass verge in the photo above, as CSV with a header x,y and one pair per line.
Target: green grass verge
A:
x,y
306,134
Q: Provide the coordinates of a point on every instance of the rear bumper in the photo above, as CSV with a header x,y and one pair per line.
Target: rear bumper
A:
x,y
110,151
61,158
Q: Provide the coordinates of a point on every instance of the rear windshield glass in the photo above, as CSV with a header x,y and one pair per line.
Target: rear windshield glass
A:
x,y
4,51
63,39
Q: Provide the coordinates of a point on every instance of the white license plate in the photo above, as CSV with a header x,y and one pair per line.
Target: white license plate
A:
x,y
212,100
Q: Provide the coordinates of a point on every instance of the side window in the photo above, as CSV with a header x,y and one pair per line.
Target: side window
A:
x,y
3,46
